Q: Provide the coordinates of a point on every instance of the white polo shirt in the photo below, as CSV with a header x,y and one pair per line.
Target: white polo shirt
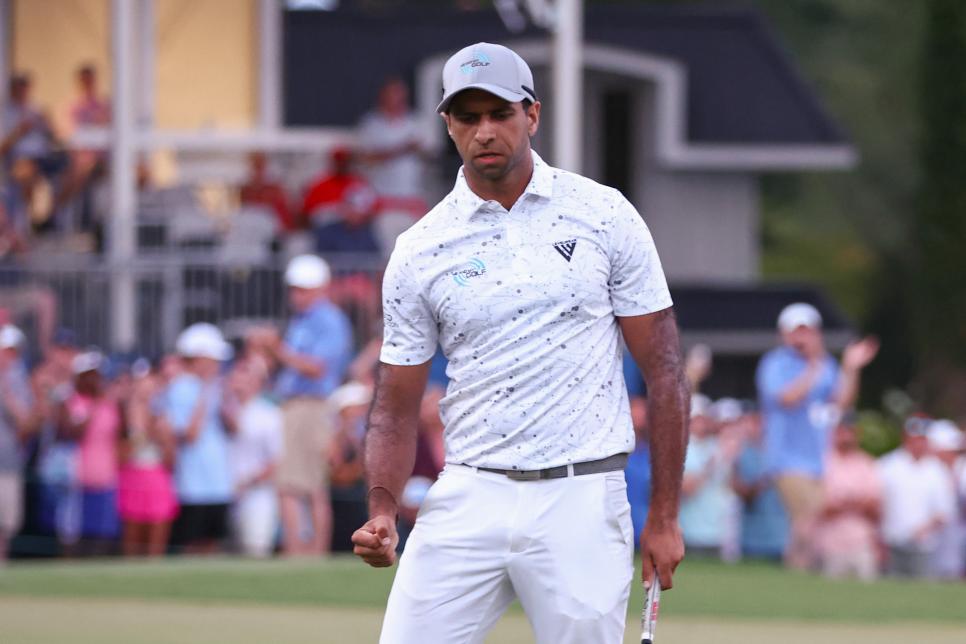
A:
x,y
523,304
914,493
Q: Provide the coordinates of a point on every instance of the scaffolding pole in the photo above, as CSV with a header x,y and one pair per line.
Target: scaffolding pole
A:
x,y
269,64
122,238
568,65
6,40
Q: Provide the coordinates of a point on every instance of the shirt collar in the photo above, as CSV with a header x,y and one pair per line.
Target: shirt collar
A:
x,y
470,204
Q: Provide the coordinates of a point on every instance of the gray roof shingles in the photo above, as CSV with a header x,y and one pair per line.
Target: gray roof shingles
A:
x,y
742,88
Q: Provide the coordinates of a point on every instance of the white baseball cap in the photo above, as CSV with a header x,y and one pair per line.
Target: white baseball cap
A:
x,y
11,337
700,405
90,360
351,394
203,340
944,436
726,410
307,271
491,68
799,314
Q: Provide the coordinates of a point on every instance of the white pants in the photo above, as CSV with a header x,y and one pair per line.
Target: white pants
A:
x,y
564,547
256,522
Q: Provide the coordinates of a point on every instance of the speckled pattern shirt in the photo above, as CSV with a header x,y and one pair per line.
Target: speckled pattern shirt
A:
x,y
524,305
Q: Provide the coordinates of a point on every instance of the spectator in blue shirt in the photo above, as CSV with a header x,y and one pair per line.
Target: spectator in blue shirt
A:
x,y
637,474
801,391
705,495
764,524
192,406
16,423
314,357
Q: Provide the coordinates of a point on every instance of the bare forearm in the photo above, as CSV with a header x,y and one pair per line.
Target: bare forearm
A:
x,y
390,456
306,365
654,343
799,388
391,437
848,389
669,402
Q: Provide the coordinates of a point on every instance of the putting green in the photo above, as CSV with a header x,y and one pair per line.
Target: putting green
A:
x,y
41,620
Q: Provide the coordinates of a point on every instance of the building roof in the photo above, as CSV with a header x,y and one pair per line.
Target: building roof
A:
x,y
742,319
741,88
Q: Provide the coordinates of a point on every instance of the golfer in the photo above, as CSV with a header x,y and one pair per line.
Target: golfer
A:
x,y
527,276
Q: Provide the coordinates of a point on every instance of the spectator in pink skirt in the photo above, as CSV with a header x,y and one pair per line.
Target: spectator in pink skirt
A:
x,y
93,419
148,503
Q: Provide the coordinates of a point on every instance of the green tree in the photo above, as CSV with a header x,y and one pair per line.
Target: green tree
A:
x,y
937,279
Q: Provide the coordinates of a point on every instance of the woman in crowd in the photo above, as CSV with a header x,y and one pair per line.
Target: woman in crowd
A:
x,y
147,501
93,419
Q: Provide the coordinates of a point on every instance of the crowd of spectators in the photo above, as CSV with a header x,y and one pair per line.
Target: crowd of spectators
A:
x,y
783,478
214,446
366,195
41,174
256,447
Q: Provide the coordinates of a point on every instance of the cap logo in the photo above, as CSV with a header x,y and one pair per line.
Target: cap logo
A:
x,y
481,60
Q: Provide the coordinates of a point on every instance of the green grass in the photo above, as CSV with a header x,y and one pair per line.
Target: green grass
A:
x,y
701,588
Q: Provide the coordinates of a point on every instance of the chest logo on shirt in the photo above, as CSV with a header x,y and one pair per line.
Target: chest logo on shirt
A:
x,y
566,248
474,268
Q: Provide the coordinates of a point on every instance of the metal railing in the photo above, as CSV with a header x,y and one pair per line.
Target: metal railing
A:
x,y
174,290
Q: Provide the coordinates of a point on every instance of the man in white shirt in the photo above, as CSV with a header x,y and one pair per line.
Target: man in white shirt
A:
x,y
527,276
918,501
256,451
947,442
392,144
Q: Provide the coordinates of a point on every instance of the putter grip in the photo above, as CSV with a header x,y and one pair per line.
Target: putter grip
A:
x,y
652,601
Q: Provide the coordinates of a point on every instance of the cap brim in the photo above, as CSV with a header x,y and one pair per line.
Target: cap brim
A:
x,y
221,353
306,284
496,90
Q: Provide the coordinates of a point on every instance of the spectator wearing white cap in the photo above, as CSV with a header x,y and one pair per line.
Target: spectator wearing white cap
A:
x,y
16,424
917,501
350,402
314,357
947,443
705,490
799,384
192,406
93,418
256,450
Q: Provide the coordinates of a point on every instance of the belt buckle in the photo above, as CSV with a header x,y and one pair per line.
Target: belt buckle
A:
x,y
523,475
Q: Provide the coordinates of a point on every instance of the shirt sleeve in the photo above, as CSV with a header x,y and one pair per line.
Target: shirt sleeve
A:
x,y
369,134
943,495
179,405
771,378
693,462
410,332
332,343
637,283
273,433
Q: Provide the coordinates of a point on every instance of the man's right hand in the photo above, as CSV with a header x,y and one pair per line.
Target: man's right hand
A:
x,y
375,542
